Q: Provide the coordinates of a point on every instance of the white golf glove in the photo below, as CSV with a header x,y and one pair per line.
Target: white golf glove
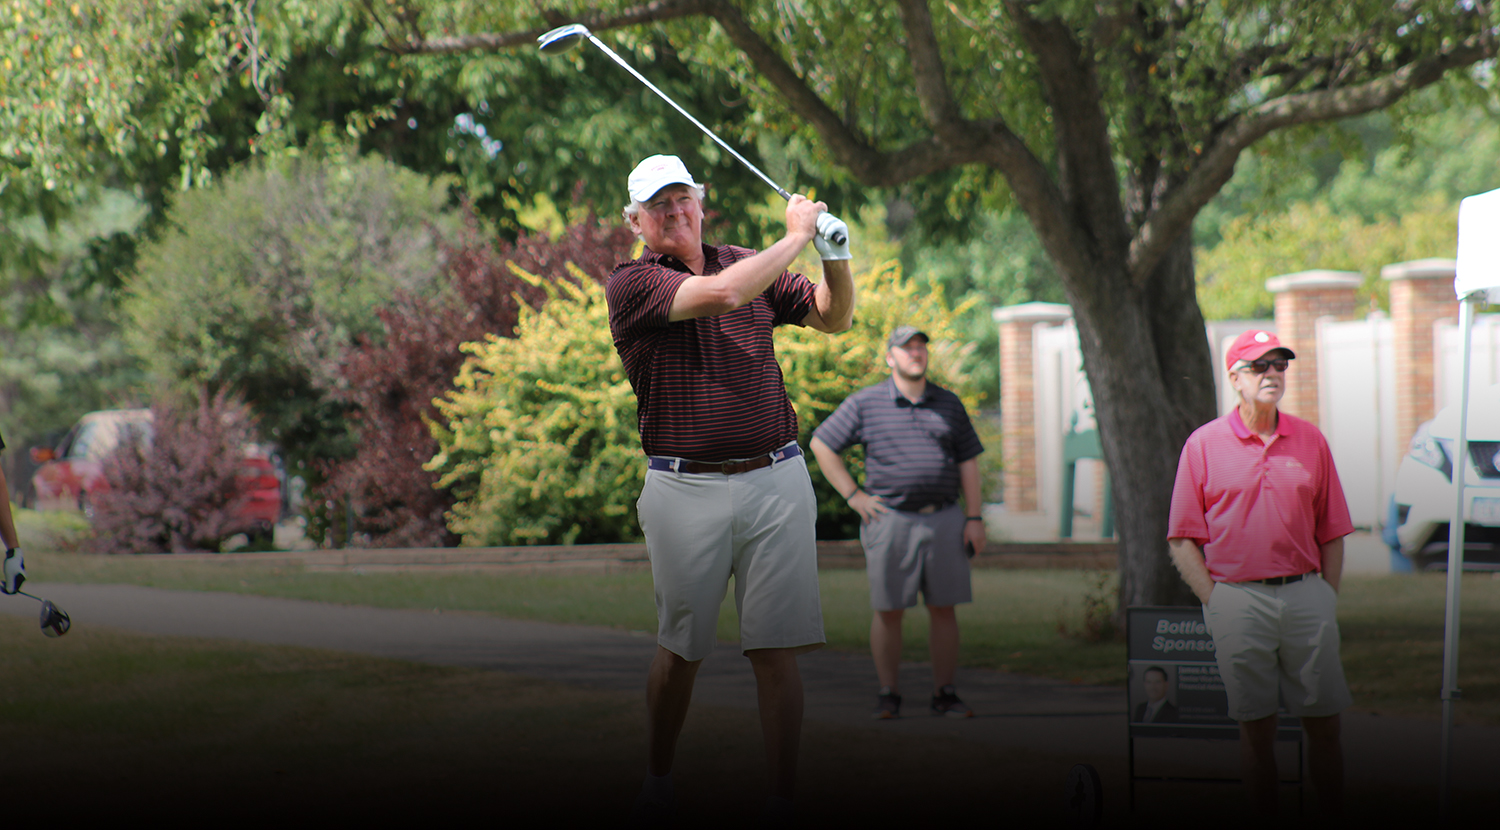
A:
x,y
15,571
829,226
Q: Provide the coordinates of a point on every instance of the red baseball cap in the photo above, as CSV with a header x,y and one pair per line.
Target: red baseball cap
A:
x,y
1253,345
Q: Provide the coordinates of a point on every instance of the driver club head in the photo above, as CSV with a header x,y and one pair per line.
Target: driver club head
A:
x,y
55,621
562,38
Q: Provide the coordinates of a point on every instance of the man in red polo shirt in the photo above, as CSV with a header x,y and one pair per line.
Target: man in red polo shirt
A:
x,y
1257,530
727,490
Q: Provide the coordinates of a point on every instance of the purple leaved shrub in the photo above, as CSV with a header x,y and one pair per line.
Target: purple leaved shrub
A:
x,y
392,382
175,489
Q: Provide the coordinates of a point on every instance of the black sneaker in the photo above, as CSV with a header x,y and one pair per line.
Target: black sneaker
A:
x,y
887,705
947,704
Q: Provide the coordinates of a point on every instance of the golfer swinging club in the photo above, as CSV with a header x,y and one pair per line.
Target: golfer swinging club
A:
x,y
727,490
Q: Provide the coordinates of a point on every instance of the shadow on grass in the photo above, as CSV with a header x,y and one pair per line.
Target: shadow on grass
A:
x,y
109,726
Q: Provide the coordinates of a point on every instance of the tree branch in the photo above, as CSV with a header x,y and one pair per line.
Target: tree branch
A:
x,y
1086,174
1216,165
653,12
933,93
956,142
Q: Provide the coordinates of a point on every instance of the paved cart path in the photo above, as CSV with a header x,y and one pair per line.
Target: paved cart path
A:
x,y
1058,719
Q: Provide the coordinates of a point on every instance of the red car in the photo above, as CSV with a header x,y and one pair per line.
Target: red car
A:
x,y
71,474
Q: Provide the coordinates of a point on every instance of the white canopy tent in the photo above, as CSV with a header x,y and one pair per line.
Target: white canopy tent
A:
x,y
1477,280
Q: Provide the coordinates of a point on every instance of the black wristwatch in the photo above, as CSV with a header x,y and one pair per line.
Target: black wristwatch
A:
x,y
973,518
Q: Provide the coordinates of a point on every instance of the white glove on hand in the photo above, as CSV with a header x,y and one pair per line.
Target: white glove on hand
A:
x,y
828,227
15,571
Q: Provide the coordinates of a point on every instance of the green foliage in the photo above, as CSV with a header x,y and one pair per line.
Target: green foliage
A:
x,y
1232,275
539,442
1380,166
1000,263
171,95
1393,197
61,351
267,276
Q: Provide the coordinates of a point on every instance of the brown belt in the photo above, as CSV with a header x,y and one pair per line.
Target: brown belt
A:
x,y
728,468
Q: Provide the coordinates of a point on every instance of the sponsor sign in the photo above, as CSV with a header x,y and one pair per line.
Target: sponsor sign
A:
x,y
1174,688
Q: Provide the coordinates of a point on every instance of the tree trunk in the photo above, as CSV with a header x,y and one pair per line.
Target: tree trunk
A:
x,y
1152,386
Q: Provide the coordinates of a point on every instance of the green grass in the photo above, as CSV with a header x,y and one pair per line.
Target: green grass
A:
x,y
108,725
1392,629
105,725
1391,625
56,531
1012,625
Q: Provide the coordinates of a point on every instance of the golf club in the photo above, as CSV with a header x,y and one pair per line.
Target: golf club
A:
x,y
563,38
55,621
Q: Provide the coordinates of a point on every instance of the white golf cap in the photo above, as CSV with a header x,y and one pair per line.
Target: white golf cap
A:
x,y
655,173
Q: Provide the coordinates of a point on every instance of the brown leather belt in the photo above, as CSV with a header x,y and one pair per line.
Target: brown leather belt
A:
x,y
728,468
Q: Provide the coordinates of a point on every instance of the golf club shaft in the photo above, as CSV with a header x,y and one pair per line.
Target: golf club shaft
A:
x,y
689,116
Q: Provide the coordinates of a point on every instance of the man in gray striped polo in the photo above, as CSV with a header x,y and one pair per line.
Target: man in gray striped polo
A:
x,y
921,454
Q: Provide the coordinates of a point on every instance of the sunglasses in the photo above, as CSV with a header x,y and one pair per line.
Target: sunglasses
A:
x,y
1259,367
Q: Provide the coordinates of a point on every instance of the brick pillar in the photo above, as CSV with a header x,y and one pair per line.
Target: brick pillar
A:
x,y
1301,299
1018,397
1421,295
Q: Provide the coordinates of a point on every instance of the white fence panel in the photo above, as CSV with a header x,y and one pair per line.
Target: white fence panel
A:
x,y
1484,366
1357,410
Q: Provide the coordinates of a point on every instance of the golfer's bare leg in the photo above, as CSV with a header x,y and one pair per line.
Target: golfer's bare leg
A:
x,y
669,690
1325,763
885,646
942,642
1258,763
778,684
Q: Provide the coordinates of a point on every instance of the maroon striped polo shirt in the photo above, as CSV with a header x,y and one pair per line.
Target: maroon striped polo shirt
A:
x,y
707,389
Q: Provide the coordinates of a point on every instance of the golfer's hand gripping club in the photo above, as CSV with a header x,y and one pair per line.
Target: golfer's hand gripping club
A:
x,y
15,571
832,238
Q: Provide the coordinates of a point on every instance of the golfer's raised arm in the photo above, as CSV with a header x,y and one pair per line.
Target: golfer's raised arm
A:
x,y
706,296
833,301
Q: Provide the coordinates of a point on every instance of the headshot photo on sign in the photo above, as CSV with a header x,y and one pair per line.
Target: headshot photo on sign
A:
x,y
1151,694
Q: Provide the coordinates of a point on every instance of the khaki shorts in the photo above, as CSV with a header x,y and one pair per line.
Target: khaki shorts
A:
x,y
907,553
1278,639
703,528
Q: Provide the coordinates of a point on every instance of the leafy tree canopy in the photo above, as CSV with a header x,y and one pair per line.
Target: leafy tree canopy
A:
x,y
61,353
164,96
1397,202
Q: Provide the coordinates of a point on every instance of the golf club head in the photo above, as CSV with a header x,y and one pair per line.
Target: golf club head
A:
x,y
562,38
55,622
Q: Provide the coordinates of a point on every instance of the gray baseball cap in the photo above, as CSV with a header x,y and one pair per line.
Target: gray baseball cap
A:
x,y
902,334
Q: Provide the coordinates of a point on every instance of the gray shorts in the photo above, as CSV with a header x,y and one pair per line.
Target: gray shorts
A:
x,y
1278,642
907,553
757,527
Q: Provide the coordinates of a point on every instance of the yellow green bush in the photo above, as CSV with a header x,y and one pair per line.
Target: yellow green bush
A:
x,y
539,444
538,438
